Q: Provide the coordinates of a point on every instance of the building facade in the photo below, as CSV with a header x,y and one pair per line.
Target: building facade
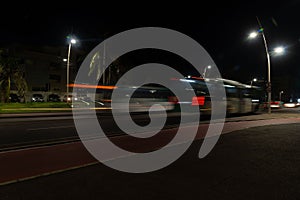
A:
x,y
45,68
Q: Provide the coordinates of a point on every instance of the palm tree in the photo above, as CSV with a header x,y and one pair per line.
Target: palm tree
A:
x,y
97,65
11,71
21,84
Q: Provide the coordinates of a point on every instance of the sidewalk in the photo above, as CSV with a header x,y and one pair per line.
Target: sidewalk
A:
x,y
262,116
51,112
39,114
255,163
68,112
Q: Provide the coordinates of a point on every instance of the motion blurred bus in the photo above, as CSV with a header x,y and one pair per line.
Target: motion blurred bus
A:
x,y
240,98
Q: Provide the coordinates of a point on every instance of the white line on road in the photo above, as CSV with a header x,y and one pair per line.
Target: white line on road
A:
x,y
52,127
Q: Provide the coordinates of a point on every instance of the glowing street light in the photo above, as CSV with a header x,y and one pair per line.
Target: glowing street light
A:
x,y
279,50
252,35
253,80
71,41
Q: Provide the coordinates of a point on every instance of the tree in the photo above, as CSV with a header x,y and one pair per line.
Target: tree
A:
x,y
11,71
21,84
111,74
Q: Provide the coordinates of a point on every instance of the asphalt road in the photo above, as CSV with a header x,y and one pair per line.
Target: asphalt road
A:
x,y
251,163
21,132
255,163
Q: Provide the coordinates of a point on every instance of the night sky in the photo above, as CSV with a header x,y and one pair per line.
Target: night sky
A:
x,y
221,28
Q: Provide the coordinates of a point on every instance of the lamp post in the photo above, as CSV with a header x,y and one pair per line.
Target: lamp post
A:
x,y
278,50
253,80
72,41
269,65
204,73
280,93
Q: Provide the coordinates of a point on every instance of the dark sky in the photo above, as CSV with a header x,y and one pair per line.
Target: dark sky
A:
x,y
221,28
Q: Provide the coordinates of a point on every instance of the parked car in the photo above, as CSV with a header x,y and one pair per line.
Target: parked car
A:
x,y
14,98
54,98
37,98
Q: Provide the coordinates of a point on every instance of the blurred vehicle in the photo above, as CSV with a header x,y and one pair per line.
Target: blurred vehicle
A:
x,y
37,98
82,101
240,98
70,98
54,98
143,99
276,104
14,98
291,104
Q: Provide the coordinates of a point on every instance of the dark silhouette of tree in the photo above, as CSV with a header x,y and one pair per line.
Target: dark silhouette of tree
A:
x,y
11,71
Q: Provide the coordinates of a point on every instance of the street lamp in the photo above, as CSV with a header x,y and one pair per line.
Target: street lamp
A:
x,y
253,80
204,73
71,41
281,92
278,50
252,35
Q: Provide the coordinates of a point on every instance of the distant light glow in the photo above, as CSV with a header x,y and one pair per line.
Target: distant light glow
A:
x,y
255,79
65,60
198,78
73,41
198,101
279,50
253,35
185,80
290,105
230,86
108,87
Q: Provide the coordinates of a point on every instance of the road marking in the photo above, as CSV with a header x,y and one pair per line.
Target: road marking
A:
x,y
52,127
37,144
48,173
